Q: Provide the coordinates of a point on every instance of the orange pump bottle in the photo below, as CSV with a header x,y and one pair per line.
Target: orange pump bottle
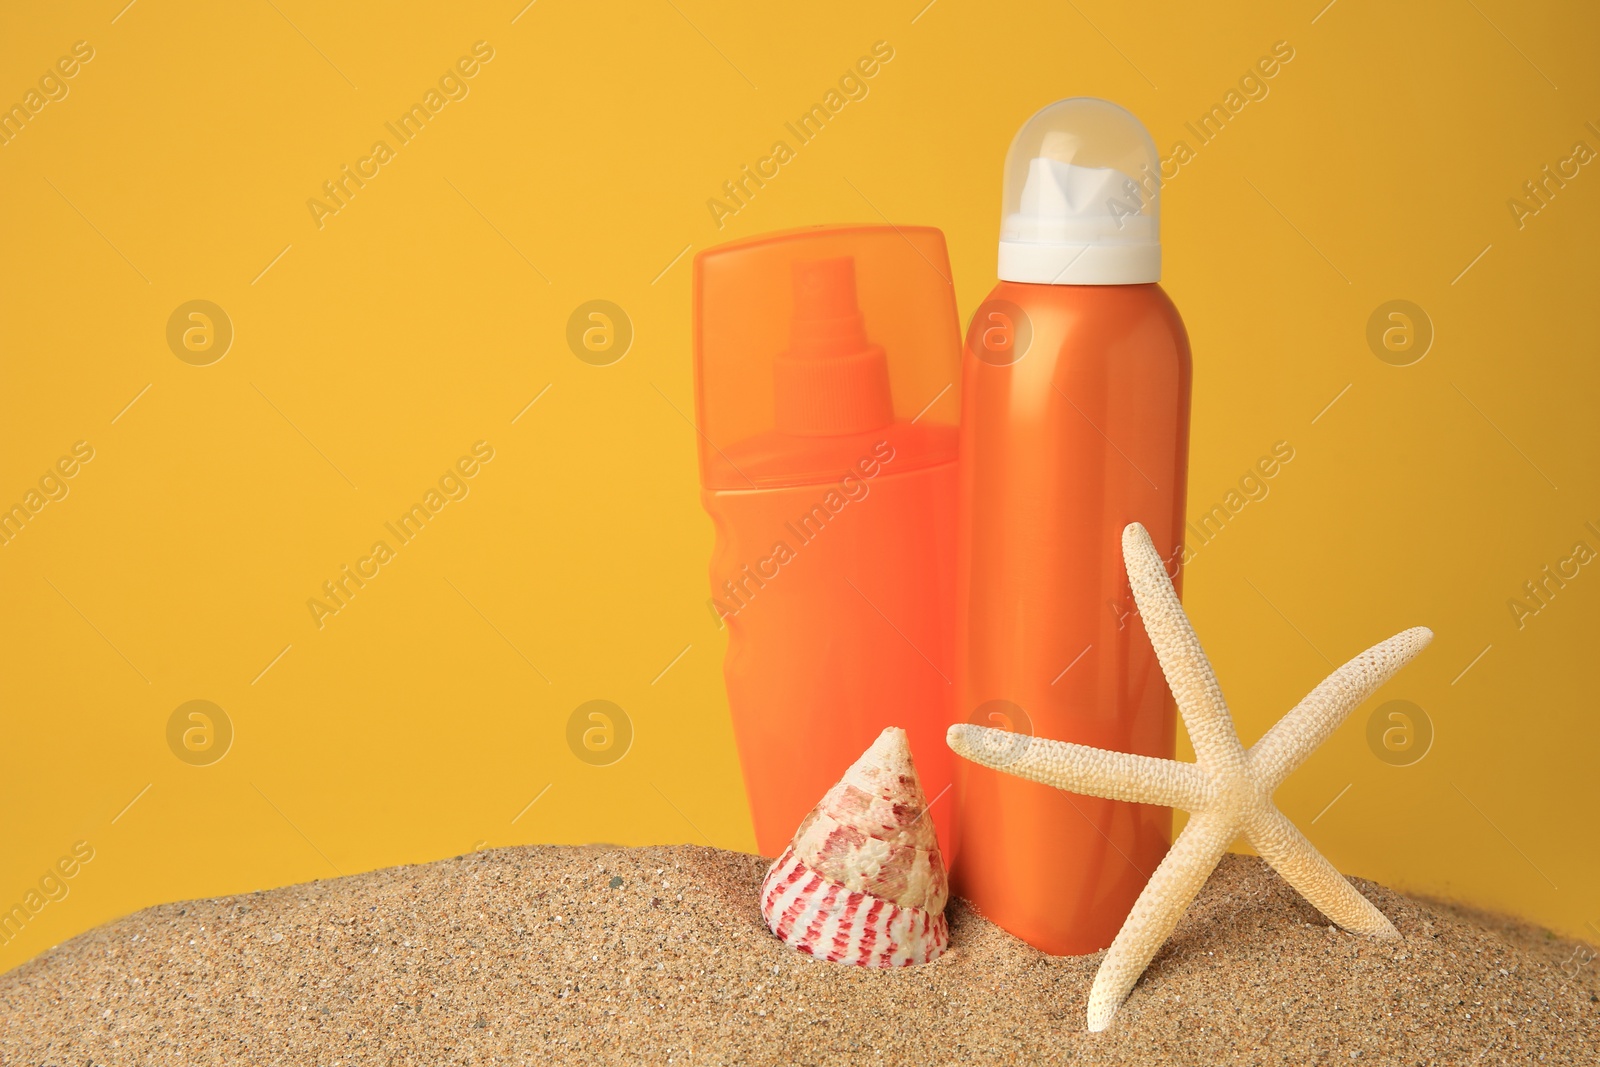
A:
x,y
827,364
1075,422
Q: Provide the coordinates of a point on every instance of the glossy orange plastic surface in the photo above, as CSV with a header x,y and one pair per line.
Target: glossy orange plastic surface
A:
x,y
827,364
846,633
1075,423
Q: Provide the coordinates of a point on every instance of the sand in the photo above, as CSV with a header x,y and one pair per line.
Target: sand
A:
x,y
560,955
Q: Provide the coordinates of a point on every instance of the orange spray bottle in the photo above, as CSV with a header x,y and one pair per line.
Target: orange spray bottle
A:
x,y
1075,422
826,372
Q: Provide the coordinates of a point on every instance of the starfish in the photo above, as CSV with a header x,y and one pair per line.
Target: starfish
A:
x,y
1228,792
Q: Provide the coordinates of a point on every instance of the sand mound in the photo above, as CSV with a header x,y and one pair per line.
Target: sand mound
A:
x,y
549,954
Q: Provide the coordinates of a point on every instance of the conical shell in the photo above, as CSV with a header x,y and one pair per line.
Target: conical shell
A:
x,y
863,881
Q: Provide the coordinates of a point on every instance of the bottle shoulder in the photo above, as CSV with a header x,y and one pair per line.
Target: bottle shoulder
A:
x,y
1147,297
1060,320
774,460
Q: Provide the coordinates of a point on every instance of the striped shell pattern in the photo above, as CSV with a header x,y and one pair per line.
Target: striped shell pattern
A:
x,y
863,881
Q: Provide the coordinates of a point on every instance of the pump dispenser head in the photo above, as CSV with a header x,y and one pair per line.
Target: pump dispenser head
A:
x,y
814,347
832,380
1082,200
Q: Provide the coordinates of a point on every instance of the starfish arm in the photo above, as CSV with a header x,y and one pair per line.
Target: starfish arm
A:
x,y
1283,846
1189,674
1166,897
1297,734
1095,772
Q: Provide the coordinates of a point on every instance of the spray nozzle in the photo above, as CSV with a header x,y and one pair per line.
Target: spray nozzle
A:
x,y
832,380
1057,190
827,320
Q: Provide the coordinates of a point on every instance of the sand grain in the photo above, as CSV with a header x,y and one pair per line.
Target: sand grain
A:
x,y
547,954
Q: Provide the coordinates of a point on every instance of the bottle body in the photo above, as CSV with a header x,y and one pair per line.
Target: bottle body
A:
x,y
839,600
1063,443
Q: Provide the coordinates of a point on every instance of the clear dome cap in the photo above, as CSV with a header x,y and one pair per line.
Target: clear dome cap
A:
x,y
1082,201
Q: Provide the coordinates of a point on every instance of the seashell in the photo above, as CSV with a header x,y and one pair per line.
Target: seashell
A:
x,y
863,882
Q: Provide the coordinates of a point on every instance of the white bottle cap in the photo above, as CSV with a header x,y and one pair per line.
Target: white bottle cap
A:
x,y
1082,202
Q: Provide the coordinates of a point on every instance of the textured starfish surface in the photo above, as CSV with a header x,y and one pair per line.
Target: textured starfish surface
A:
x,y
1228,791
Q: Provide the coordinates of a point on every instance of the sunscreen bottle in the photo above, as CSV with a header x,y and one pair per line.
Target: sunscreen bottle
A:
x,y
827,367
1075,422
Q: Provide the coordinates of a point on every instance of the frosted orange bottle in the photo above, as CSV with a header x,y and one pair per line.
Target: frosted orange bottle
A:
x,y
1075,422
827,365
